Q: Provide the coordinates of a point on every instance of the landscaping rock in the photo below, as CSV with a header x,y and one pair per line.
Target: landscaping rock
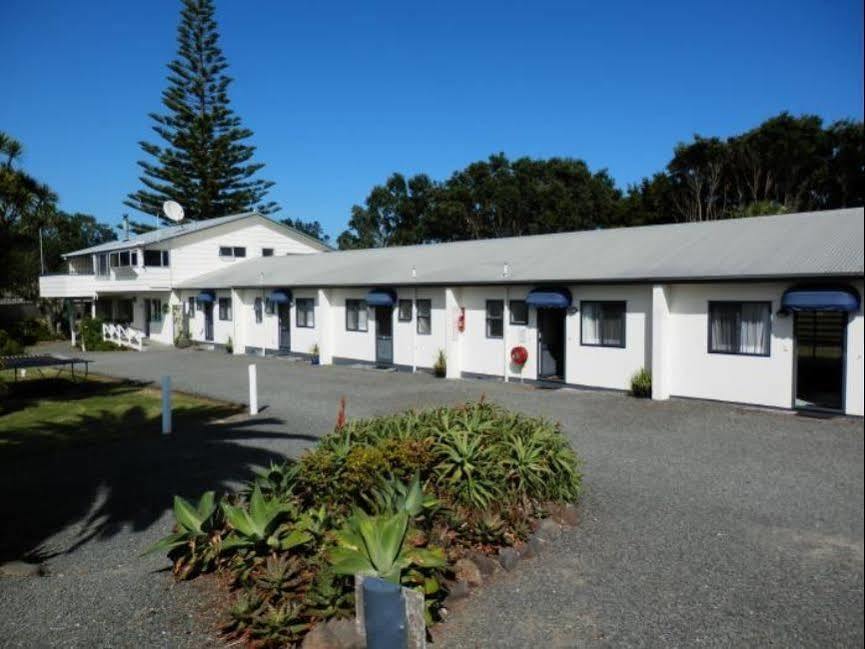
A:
x,y
569,515
21,569
548,530
533,548
334,634
466,570
508,558
457,590
485,563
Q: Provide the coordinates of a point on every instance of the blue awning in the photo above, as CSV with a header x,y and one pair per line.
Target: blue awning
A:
x,y
206,296
820,299
549,298
381,297
280,296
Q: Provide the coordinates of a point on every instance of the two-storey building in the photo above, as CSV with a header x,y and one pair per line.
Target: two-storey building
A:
x,y
130,281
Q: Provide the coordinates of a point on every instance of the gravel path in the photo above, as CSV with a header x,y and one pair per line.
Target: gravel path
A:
x,y
703,524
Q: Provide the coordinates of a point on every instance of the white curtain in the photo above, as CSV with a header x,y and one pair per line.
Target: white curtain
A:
x,y
724,323
754,329
591,323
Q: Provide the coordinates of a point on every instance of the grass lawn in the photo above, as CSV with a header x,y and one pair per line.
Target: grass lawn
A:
x,y
39,414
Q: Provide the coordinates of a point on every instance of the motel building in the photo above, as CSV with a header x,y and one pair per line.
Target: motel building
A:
x,y
764,311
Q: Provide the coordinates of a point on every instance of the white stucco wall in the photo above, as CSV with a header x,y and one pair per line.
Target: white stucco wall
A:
x,y
694,372
357,345
855,370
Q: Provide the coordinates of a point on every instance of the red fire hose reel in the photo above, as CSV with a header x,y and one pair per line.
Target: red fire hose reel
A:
x,y
519,355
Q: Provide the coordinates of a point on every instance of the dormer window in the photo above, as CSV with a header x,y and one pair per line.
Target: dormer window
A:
x,y
232,251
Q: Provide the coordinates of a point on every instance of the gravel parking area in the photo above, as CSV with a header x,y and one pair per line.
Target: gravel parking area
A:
x,y
702,524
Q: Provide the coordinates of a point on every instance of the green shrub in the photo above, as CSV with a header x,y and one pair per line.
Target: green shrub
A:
x,y
9,346
641,384
440,368
90,332
402,497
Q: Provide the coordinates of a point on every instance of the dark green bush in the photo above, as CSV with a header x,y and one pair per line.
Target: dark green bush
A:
x,y
641,384
91,337
8,345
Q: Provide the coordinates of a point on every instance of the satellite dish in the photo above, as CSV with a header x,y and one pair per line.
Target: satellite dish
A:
x,y
173,210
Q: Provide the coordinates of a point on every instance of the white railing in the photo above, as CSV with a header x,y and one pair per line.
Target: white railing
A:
x,y
121,335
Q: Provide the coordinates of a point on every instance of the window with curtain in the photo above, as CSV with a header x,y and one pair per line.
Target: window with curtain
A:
x,y
602,324
519,312
424,317
404,311
740,328
495,318
304,312
225,308
356,315
257,307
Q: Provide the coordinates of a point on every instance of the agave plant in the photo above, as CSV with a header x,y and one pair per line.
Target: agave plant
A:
x,y
466,468
525,463
280,575
395,496
260,525
243,612
375,546
280,625
194,545
277,480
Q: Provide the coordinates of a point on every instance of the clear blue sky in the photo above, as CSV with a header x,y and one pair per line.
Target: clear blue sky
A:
x,y
341,95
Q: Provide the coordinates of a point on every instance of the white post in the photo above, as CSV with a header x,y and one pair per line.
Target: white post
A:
x,y
253,390
660,359
166,405
506,319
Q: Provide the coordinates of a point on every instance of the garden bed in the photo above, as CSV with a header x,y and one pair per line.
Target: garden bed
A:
x,y
418,498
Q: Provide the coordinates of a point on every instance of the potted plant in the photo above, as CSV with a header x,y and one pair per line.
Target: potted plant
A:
x,y
314,357
440,369
229,346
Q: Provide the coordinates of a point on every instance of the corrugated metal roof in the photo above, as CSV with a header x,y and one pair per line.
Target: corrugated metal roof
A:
x,y
828,243
174,231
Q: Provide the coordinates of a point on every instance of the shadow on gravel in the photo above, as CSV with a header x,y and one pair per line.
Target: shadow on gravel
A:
x,y
100,489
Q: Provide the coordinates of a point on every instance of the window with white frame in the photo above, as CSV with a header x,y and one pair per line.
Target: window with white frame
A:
x,y
519,312
156,258
102,264
267,252
123,259
602,324
424,317
740,328
225,308
495,318
257,308
269,306
304,312
232,251
190,306
356,315
404,310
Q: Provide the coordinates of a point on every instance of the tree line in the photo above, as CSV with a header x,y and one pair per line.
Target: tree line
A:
x,y
786,164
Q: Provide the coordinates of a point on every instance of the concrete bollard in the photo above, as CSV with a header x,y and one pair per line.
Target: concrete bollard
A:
x,y
387,615
166,405
253,390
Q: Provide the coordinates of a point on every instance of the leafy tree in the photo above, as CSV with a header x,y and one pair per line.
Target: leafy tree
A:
x,y
312,228
205,162
26,207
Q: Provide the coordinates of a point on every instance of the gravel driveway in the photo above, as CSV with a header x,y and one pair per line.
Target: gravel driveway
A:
x,y
703,524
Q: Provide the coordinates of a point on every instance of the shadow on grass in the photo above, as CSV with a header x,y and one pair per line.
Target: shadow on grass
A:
x,y
101,488
27,392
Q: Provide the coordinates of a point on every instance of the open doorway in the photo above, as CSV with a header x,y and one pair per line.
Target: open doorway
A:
x,y
551,344
820,342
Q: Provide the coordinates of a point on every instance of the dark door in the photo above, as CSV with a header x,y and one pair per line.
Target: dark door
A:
x,y
208,320
284,311
384,335
551,344
147,318
820,359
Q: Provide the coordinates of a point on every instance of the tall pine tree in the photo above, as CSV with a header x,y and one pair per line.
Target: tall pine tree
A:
x,y
204,163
